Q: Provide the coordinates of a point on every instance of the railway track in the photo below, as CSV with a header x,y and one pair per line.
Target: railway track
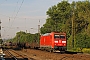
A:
x,y
33,54
15,56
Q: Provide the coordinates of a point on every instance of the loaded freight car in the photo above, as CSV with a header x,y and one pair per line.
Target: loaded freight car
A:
x,y
53,41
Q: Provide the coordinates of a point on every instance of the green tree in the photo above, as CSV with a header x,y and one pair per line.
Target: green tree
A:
x,y
22,37
82,41
82,10
57,17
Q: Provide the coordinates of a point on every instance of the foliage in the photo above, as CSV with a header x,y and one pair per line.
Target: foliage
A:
x,y
82,41
57,17
60,17
85,50
1,41
69,43
22,37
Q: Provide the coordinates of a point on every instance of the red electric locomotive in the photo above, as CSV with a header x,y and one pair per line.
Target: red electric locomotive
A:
x,y
53,41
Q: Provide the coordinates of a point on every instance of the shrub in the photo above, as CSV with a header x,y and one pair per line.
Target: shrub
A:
x,y
86,50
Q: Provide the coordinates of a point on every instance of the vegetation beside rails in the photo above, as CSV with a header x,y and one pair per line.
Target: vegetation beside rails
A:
x,y
23,37
84,50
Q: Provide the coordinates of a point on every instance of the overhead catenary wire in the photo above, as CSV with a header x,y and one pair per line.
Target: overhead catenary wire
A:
x,y
15,15
17,12
15,8
18,9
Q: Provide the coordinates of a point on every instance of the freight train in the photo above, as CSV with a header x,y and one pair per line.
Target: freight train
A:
x,y
50,41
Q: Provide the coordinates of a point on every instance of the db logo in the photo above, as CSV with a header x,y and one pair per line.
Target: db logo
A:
x,y
60,41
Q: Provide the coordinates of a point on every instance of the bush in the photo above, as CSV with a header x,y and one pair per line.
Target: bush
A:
x,y
76,50
86,50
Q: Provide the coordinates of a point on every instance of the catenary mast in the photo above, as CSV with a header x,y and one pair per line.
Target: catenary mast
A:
x,y
0,33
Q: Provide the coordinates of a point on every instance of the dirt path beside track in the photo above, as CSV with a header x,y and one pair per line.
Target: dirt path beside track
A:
x,y
44,55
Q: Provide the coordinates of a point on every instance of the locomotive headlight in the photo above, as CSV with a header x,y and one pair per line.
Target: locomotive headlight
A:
x,y
56,41
63,41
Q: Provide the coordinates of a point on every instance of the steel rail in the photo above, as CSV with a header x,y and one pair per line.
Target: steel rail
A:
x,y
11,55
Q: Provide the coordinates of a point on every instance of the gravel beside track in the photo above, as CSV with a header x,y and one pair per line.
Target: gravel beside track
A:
x,y
32,54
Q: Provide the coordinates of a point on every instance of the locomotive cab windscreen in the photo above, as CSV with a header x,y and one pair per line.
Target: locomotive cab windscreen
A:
x,y
60,36
56,36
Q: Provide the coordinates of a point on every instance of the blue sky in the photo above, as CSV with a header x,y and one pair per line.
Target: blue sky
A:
x,y
22,15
